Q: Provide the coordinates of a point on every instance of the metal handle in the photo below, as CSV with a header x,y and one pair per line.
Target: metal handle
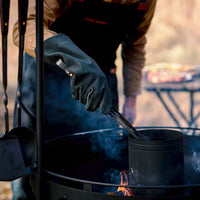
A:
x,y
125,124
61,64
4,14
22,17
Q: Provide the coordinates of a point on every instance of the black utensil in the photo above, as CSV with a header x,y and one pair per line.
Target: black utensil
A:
x,y
17,145
114,113
125,124
11,160
26,137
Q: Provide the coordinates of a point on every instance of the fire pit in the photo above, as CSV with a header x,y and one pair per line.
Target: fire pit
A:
x,y
95,166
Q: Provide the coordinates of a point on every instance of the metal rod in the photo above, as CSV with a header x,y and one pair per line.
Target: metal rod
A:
x,y
4,73
20,69
50,173
125,124
40,99
4,14
177,107
167,108
22,17
192,107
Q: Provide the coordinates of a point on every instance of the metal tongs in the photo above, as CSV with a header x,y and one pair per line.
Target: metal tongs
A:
x,y
113,113
125,124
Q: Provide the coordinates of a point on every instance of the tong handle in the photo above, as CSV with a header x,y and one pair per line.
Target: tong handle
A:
x,y
4,13
61,64
22,15
125,124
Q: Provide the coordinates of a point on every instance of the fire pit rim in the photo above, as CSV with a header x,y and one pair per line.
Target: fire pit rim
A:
x,y
118,129
50,173
84,133
64,177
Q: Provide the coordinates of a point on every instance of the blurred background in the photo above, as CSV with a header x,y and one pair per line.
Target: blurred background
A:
x,y
174,37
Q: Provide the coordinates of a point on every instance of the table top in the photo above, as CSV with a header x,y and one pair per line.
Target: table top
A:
x,y
171,76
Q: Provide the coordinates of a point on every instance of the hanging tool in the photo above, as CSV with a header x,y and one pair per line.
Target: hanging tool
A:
x,y
22,18
17,147
26,137
11,160
4,10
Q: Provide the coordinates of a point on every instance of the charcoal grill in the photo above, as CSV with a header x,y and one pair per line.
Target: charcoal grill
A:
x,y
79,167
91,161
85,166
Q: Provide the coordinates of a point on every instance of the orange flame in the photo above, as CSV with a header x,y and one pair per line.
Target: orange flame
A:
x,y
124,181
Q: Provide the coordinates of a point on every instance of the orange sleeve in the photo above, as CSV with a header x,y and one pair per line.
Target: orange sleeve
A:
x,y
133,53
52,10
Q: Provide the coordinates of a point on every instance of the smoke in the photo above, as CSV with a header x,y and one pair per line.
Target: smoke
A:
x,y
195,153
196,161
111,143
112,176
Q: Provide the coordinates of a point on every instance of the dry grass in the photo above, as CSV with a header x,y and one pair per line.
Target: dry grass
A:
x,y
173,37
174,34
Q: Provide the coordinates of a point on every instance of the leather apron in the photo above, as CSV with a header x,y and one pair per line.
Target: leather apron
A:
x,y
97,27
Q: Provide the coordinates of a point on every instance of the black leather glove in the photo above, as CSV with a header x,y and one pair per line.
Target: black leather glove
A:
x,y
88,83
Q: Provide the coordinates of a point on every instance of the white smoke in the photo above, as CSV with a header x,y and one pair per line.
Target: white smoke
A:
x,y
196,161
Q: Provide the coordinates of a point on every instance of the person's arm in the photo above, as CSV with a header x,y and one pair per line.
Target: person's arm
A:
x,y
52,10
133,55
88,83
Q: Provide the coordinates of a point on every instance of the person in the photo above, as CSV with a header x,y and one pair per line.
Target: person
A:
x,y
85,35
